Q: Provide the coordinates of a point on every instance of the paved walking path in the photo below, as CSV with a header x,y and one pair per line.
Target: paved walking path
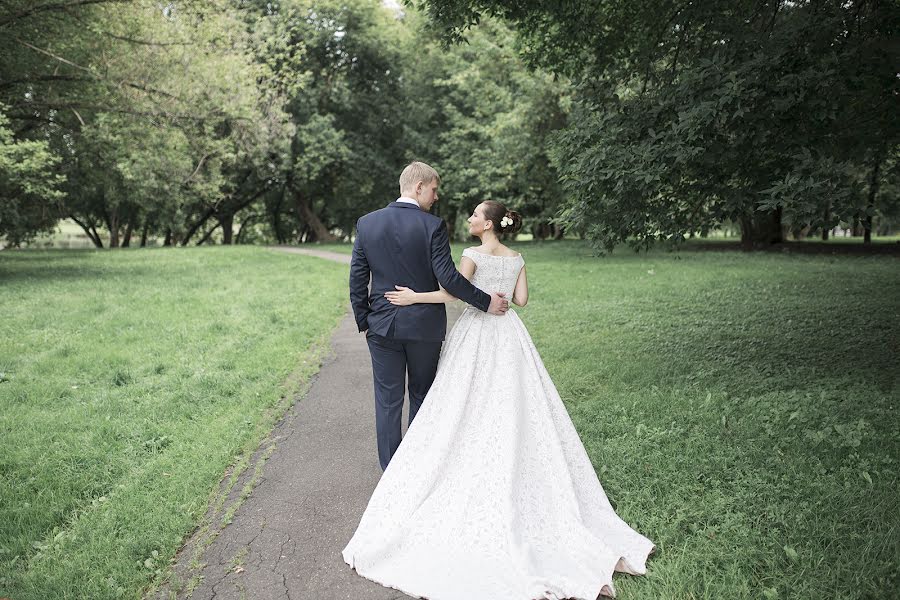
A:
x,y
285,539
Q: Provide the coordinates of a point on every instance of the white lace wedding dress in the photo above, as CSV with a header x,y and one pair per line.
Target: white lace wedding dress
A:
x,y
491,495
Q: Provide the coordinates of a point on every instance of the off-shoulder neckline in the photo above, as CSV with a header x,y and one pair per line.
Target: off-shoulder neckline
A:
x,y
516,255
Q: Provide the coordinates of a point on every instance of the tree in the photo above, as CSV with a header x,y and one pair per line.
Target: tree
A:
x,y
149,106
249,120
347,116
29,190
689,113
484,121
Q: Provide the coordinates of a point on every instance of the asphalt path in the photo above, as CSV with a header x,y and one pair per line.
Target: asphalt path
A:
x,y
311,480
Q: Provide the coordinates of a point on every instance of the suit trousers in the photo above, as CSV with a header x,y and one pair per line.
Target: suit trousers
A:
x,y
392,361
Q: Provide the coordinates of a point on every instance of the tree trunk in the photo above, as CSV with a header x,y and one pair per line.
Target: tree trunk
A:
x,y
761,229
126,239
776,229
97,241
112,223
207,235
245,224
168,239
193,228
825,227
144,234
227,222
873,191
318,231
276,218
801,233
746,233
276,226
450,219
90,231
542,230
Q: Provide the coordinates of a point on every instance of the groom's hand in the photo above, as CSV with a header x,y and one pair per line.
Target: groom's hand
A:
x,y
499,304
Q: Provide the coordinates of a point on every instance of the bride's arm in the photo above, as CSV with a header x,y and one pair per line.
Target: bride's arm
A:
x,y
405,296
520,294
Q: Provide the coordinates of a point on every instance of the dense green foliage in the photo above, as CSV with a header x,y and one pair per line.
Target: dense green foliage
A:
x,y
487,122
28,189
691,114
250,121
148,110
120,414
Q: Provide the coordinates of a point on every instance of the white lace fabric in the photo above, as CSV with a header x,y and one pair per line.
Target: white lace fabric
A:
x,y
491,495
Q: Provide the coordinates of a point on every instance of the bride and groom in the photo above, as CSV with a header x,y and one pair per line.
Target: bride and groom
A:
x,y
491,494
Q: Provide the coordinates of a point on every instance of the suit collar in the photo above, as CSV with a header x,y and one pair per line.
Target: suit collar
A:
x,y
396,204
409,200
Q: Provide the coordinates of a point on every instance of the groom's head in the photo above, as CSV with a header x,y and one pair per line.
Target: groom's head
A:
x,y
421,182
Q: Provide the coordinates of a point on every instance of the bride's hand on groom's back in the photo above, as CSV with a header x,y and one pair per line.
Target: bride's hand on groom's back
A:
x,y
402,297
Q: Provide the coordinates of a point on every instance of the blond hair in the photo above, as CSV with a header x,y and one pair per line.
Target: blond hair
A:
x,y
415,172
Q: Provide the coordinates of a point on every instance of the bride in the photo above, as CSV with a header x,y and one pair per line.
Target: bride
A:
x,y
491,495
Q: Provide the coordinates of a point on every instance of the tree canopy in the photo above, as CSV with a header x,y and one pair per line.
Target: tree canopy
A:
x,y
689,114
251,120
255,121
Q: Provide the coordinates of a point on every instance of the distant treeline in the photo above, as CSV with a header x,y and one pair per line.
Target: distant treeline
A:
x,y
253,121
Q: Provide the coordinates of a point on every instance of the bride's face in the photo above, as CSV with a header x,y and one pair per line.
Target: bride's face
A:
x,y
477,222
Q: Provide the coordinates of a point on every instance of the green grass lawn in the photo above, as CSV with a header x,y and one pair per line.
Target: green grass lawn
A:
x,y
130,381
740,409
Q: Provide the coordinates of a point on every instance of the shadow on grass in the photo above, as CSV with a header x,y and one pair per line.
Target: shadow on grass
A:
x,y
72,264
856,248
777,333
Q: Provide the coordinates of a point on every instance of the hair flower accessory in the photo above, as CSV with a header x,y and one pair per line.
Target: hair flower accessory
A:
x,y
506,222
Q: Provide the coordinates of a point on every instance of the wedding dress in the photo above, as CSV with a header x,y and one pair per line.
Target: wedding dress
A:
x,y
491,495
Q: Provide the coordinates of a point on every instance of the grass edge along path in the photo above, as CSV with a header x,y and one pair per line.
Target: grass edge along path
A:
x,y
238,480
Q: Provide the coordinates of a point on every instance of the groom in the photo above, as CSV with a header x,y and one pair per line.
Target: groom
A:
x,y
403,244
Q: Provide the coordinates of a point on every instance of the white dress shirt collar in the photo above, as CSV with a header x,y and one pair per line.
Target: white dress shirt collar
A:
x,y
408,200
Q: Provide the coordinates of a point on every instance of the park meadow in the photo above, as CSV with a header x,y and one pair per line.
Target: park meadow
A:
x,y
709,201
739,408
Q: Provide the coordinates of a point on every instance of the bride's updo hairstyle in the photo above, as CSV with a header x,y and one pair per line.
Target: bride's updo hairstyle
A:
x,y
505,221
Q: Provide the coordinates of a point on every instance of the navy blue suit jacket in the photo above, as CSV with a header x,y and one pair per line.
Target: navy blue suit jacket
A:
x,y
402,244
